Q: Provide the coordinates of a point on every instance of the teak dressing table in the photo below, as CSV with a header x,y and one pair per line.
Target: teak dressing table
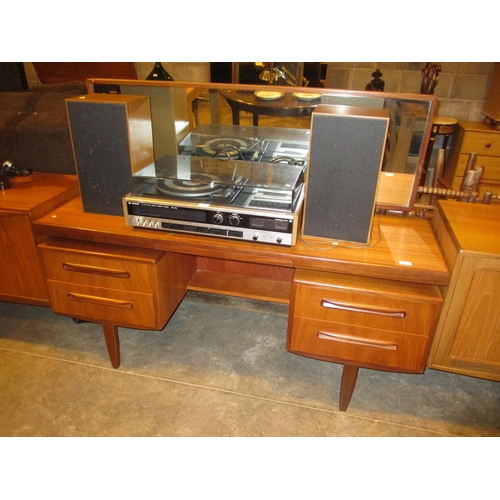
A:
x,y
371,306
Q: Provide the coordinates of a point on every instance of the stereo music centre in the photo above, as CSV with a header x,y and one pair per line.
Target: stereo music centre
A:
x,y
242,200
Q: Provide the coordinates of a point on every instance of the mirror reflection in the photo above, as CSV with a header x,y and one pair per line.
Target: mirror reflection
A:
x,y
269,123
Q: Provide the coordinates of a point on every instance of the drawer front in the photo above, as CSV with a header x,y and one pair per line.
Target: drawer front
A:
x,y
490,164
359,308
485,185
98,270
363,346
119,307
481,143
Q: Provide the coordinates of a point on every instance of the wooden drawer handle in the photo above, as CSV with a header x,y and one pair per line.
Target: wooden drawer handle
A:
x,y
330,304
487,145
102,271
380,344
100,300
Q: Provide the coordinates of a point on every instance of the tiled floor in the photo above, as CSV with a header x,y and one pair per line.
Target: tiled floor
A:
x,y
219,368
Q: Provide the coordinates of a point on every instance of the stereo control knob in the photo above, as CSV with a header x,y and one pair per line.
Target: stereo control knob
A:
x,y
234,220
218,219
255,237
279,239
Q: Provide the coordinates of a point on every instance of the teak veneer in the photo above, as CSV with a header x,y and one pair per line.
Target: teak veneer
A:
x,y
22,278
402,248
468,334
402,268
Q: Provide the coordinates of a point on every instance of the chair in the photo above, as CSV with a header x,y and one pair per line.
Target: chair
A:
x,y
442,126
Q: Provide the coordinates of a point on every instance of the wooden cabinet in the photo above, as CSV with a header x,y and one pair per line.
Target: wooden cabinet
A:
x,y
492,104
388,292
114,285
362,322
22,277
468,334
476,137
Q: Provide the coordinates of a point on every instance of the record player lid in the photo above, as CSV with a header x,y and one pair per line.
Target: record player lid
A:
x,y
249,136
278,176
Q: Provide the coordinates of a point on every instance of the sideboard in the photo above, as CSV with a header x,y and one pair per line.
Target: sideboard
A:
x,y
374,306
22,278
468,334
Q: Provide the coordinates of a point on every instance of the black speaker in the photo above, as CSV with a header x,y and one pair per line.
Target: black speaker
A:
x,y
345,159
112,139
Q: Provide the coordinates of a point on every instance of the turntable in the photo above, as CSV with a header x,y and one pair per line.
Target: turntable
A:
x,y
258,144
217,195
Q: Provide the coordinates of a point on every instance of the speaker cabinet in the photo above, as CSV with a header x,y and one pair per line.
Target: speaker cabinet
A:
x,y
345,160
112,139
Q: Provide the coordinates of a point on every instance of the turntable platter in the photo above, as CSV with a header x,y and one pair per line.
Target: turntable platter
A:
x,y
222,147
200,184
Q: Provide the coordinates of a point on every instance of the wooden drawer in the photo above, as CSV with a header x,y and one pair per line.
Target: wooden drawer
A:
x,y
123,286
365,302
101,265
103,304
481,143
369,347
367,322
490,164
492,186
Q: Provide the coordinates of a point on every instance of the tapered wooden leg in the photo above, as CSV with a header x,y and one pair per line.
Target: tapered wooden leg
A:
x,y
112,343
349,376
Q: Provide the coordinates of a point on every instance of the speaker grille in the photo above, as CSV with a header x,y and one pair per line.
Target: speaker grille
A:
x,y
346,154
103,143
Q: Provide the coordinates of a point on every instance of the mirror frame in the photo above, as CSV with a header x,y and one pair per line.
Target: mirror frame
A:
x,y
149,86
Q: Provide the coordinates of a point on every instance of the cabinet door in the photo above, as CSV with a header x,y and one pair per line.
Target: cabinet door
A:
x,y
22,279
468,339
